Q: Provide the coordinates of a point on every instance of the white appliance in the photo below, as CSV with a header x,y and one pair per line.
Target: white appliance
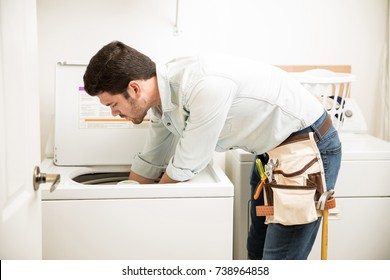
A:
x,y
358,227
89,216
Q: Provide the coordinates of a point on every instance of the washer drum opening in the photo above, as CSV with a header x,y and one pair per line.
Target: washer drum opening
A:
x,y
101,178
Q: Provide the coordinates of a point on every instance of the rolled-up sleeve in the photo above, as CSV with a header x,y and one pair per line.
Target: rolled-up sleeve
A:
x,y
157,151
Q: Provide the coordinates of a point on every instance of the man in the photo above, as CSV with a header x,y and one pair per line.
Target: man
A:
x,y
205,104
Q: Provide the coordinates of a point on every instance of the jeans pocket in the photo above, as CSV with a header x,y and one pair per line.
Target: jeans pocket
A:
x,y
331,153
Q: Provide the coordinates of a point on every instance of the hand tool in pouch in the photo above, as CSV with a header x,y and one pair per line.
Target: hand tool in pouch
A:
x,y
321,205
263,178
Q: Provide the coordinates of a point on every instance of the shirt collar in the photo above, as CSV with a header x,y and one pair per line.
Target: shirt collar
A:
x,y
164,89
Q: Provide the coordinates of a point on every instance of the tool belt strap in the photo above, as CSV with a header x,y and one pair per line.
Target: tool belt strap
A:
x,y
264,210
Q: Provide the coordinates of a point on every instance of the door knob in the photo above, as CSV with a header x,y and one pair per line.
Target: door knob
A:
x,y
39,178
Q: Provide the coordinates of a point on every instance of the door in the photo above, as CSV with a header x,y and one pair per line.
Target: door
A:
x,y
20,208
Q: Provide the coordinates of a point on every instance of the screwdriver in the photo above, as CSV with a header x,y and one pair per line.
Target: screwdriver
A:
x,y
263,178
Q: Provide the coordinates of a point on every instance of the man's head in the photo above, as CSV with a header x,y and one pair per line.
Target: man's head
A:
x,y
123,79
113,67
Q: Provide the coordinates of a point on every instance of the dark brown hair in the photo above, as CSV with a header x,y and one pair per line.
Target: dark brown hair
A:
x,y
114,66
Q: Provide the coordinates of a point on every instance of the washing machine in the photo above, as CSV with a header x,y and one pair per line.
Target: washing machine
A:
x,y
358,226
87,215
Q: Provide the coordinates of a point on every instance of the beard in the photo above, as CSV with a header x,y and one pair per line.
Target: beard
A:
x,y
136,120
137,110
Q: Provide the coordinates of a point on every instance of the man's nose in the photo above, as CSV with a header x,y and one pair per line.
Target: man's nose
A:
x,y
114,112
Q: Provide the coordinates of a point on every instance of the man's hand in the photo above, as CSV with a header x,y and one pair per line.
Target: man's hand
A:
x,y
140,179
165,179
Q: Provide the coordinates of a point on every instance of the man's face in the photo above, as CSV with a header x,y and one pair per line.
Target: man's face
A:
x,y
131,109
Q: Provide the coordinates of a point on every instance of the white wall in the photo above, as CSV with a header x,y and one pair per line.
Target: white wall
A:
x,y
278,32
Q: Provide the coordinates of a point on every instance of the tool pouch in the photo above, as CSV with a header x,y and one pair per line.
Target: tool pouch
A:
x,y
297,182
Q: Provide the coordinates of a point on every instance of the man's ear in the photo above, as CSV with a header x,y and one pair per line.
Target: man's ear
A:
x,y
134,89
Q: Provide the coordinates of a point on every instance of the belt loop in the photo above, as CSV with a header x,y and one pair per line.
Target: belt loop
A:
x,y
321,126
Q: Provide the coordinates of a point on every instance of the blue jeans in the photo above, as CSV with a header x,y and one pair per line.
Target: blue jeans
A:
x,y
279,242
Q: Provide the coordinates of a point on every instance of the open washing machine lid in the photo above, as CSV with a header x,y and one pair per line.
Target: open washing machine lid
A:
x,y
85,131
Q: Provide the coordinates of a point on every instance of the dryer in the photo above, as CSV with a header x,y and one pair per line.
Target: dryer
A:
x,y
89,216
357,227
358,230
